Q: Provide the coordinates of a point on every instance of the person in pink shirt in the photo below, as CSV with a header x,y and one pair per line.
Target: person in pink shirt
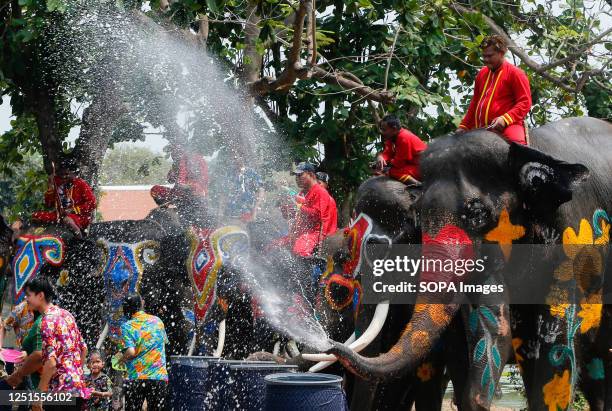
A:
x,y
63,349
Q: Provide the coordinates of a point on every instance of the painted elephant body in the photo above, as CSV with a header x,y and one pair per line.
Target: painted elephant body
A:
x,y
479,190
384,213
70,263
202,258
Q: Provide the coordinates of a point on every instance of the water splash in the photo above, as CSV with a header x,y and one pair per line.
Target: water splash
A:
x,y
103,52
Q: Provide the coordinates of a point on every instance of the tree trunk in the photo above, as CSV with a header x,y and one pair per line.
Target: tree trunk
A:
x,y
97,127
42,101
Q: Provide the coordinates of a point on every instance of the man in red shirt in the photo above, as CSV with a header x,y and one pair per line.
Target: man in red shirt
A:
x,y
189,172
402,151
502,96
316,216
72,199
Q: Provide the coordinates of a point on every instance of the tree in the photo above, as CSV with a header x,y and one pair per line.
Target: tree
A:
x,y
323,72
134,166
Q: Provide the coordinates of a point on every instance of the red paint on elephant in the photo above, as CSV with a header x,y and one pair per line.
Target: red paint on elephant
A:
x,y
356,233
203,269
450,244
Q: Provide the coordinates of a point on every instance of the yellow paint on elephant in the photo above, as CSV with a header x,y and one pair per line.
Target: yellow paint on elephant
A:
x,y
25,262
558,310
516,344
438,314
425,372
557,296
63,278
565,271
604,238
420,341
505,233
591,316
557,392
571,239
1,262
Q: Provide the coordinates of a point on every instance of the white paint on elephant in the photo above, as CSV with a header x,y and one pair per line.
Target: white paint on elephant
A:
x,y
552,332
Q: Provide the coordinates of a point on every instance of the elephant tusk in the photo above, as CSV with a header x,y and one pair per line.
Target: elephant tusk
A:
x,y
377,323
102,336
321,365
217,353
192,344
293,349
276,348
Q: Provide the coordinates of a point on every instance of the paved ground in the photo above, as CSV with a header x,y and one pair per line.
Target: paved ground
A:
x,y
447,406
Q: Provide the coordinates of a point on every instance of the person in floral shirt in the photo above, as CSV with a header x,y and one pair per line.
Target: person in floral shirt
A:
x,y
99,383
63,348
20,319
144,354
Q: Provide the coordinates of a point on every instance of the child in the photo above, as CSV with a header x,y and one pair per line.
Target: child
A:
x,y
99,382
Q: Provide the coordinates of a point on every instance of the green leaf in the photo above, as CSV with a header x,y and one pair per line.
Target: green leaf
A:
x,y
56,5
214,5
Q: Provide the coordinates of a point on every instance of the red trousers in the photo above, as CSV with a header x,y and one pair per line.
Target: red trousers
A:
x,y
515,133
51,217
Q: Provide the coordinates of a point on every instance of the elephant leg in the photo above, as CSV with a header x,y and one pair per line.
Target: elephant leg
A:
x,y
429,381
605,347
544,344
488,341
456,357
592,376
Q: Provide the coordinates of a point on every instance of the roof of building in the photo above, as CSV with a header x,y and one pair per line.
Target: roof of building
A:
x,y
125,202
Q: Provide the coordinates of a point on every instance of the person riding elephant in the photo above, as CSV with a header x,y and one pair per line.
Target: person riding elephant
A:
x,y
480,195
72,199
189,174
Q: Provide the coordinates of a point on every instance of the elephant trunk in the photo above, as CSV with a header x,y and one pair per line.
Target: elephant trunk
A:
x,y
432,313
415,342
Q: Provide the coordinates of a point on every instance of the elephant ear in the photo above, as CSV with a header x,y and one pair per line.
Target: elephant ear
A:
x,y
544,181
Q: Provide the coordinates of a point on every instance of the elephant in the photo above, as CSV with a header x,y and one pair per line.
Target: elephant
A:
x,y
129,253
479,190
54,251
383,214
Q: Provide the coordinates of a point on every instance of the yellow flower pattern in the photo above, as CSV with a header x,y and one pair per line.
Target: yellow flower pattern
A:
x,y
557,392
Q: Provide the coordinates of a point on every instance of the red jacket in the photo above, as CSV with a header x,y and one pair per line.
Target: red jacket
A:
x,y
316,219
504,93
191,171
403,155
77,195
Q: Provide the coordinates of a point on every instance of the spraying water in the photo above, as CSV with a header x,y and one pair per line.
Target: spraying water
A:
x,y
157,78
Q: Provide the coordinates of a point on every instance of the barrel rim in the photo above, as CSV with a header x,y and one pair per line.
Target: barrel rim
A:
x,y
263,367
325,379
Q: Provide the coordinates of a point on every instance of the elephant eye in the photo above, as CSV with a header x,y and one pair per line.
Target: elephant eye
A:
x,y
150,256
476,215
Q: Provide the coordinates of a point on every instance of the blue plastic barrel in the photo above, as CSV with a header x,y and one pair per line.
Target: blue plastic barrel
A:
x,y
304,392
247,385
218,381
187,381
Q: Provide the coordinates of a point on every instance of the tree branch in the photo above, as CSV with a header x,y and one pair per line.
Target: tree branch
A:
x,y
312,35
540,69
343,79
399,27
252,59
